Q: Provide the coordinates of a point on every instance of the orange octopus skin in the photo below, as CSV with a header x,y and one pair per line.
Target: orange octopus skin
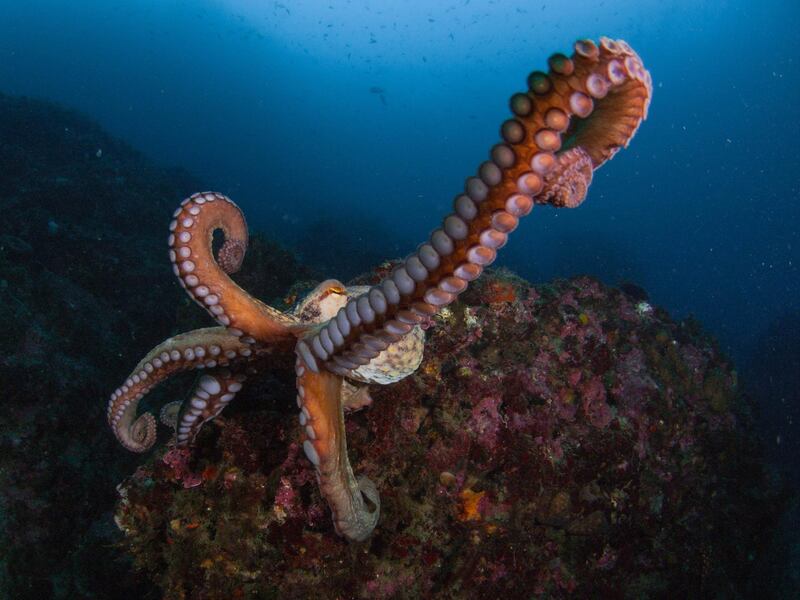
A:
x,y
569,122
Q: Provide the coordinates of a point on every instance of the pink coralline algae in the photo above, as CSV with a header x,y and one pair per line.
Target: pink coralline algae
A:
x,y
486,421
595,406
178,460
555,441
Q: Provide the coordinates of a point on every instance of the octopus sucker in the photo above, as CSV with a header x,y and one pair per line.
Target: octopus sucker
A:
x,y
570,121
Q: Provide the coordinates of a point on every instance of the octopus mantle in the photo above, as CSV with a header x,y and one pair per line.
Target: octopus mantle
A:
x,y
570,121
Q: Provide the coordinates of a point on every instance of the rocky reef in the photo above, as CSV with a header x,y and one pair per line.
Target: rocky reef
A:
x,y
560,440
85,288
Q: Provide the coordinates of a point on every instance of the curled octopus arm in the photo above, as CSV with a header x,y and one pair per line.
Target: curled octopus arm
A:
x,y
202,348
571,120
206,278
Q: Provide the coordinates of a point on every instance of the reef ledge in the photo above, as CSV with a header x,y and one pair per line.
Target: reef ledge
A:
x,y
564,440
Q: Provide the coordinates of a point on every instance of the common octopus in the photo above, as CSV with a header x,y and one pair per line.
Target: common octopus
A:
x,y
571,120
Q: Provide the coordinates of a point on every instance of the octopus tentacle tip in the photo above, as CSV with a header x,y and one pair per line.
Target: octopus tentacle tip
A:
x,y
169,414
361,527
141,435
568,183
231,255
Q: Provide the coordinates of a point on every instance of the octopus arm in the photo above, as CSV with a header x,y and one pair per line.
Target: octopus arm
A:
x,y
570,121
206,277
355,503
202,348
212,393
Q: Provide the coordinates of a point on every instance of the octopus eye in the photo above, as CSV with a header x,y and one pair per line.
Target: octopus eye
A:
x,y
337,290
334,289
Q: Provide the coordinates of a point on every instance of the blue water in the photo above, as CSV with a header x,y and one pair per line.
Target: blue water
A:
x,y
275,104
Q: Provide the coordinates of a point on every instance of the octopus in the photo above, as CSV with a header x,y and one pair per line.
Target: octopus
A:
x,y
571,120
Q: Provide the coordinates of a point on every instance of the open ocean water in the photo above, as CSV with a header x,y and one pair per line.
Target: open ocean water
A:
x,y
343,130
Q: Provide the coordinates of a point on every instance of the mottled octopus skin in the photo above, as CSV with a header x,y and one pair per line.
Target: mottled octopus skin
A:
x,y
569,122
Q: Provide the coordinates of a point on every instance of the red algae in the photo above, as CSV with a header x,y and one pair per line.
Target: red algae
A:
x,y
496,292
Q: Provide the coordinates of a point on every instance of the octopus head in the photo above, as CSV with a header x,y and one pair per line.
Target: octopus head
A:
x,y
323,302
393,363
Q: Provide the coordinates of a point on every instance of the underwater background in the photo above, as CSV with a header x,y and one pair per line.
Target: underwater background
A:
x,y
343,130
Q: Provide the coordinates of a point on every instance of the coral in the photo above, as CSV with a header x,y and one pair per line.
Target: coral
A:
x,y
561,444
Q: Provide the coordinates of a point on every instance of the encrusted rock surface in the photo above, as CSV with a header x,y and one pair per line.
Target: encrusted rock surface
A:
x,y
561,440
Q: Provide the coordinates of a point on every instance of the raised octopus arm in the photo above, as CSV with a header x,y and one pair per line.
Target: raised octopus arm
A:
x,y
202,348
570,121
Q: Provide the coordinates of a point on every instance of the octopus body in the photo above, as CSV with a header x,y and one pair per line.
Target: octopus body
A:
x,y
570,121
